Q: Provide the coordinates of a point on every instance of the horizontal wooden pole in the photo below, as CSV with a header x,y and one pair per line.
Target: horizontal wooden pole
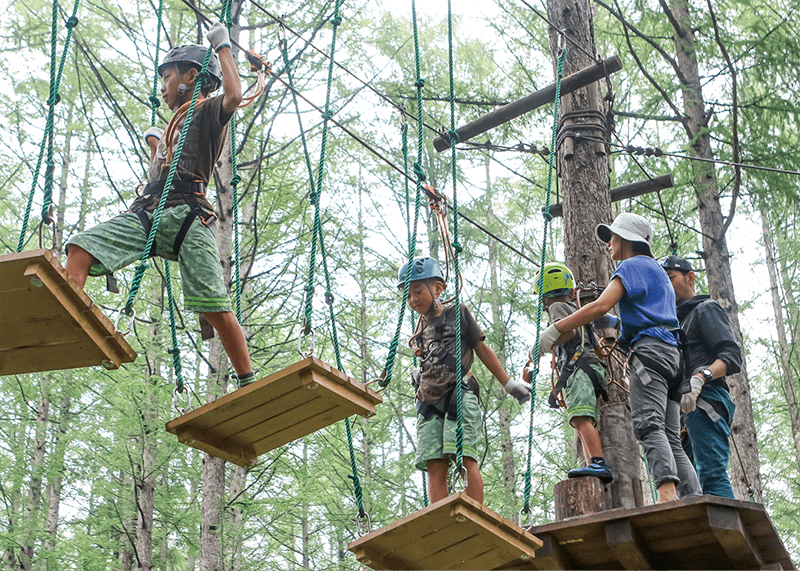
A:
x,y
530,102
627,191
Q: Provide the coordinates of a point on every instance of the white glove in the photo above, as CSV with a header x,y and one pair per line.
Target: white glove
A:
x,y
689,400
519,390
153,132
548,339
218,36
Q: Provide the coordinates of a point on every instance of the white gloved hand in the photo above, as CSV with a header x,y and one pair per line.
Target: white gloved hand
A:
x,y
218,36
153,132
519,390
689,400
548,339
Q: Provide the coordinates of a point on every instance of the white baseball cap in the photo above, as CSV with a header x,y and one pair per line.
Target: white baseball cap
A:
x,y
628,226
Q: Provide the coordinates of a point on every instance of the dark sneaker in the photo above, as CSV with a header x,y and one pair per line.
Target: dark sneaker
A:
x,y
595,469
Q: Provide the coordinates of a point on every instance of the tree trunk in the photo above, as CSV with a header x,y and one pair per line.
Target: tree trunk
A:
x,y
498,322
745,471
587,202
54,486
127,538
787,377
238,476
33,510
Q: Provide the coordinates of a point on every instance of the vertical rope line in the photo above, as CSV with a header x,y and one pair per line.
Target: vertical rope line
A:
x,y
140,269
154,101
456,247
547,218
235,180
47,137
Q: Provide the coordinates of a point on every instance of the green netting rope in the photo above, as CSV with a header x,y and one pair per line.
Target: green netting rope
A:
x,y
650,478
547,218
140,269
227,17
47,138
456,245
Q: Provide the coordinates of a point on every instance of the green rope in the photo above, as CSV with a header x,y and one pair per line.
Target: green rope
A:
x,y
140,269
235,180
650,478
48,136
547,218
176,354
456,246
412,247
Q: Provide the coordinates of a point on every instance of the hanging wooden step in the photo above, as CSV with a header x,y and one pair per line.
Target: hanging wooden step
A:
x,y
705,532
47,323
454,533
274,411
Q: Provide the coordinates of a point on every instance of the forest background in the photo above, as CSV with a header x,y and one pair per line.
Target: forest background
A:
x,y
89,479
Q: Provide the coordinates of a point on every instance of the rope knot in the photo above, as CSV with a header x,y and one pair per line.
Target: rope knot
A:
x,y
420,83
327,115
546,214
453,136
419,171
337,20
54,99
235,180
457,247
72,21
155,102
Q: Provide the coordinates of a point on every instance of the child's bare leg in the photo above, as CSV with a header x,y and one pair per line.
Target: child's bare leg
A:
x,y
232,337
474,480
78,263
437,479
590,437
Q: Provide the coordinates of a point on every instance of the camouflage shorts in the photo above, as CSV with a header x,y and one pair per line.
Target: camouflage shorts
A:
x,y
120,242
579,394
436,436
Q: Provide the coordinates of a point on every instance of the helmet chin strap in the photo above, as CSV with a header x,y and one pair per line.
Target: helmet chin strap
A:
x,y
182,87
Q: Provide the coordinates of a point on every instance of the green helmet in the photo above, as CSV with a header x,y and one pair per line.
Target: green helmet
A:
x,y
422,268
557,281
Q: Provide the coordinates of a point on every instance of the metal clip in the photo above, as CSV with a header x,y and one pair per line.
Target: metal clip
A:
x,y
363,524
121,313
300,342
176,400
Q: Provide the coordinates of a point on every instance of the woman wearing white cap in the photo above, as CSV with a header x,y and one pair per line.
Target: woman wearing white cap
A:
x,y
647,311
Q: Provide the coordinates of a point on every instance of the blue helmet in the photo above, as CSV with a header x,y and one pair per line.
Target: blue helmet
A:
x,y
422,268
195,55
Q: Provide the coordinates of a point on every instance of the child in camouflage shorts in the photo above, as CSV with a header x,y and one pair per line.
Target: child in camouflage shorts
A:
x,y
436,344
581,375
185,230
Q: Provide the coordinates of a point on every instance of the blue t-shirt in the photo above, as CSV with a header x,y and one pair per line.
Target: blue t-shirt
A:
x,y
648,306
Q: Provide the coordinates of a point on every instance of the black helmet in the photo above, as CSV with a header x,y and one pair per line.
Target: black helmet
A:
x,y
194,55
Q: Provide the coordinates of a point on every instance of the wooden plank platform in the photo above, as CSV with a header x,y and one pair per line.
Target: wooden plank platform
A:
x,y
454,533
706,532
47,323
274,411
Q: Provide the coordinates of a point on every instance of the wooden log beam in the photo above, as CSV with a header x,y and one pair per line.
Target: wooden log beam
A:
x,y
627,546
530,102
579,496
727,526
627,191
550,555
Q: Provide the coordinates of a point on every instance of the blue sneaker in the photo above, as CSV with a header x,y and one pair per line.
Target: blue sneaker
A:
x,y
595,469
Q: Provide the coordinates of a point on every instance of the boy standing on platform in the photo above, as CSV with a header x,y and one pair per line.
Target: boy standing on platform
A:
x,y
435,344
581,375
185,233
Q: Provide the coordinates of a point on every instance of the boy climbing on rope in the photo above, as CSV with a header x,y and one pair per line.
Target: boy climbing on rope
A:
x,y
435,345
581,375
185,232
647,312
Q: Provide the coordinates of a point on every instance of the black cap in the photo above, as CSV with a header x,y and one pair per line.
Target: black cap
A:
x,y
677,263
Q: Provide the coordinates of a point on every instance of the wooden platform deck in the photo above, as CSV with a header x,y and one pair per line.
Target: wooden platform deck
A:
x,y
274,411
696,533
47,323
454,533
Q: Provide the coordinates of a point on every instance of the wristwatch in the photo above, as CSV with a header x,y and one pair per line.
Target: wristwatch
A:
x,y
707,375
